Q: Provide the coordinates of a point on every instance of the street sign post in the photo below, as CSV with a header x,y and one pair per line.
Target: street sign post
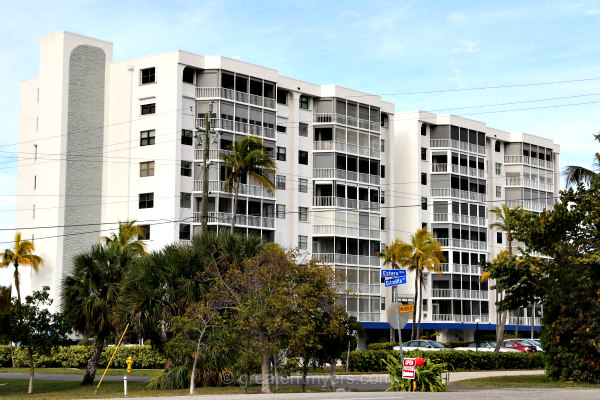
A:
x,y
395,281
393,273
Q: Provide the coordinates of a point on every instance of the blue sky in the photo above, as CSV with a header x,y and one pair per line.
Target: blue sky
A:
x,y
389,48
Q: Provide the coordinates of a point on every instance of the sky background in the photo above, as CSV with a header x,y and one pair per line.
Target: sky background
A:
x,y
390,48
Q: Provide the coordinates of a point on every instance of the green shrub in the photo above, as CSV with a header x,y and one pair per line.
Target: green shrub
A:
x,y
382,346
372,360
78,356
455,344
428,378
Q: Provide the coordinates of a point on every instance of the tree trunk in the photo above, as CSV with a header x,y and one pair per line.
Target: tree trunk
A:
x,y
196,356
532,319
332,382
304,373
12,356
17,281
235,201
276,374
500,336
31,369
517,324
90,371
266,363
420,302
414,319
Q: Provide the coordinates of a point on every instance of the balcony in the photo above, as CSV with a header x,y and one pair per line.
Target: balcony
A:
x,y
529,183
461,269
330,201
459,219
213,154
332,118
237,126
347,259
457,145
334,173
463,244
250,221
525,321
535,162
456,169
460,318
461,194
342,230
245,189
207,93
459,294
529,205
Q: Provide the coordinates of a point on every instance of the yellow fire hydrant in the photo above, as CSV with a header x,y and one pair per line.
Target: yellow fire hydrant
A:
x,y
129,362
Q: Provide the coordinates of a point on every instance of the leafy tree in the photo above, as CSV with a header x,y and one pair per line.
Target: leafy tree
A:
x,y
91,290
423,252
21,254
506,220
33,326
248,157
576,175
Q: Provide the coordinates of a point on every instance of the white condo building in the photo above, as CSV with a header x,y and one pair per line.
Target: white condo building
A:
x,y
103,141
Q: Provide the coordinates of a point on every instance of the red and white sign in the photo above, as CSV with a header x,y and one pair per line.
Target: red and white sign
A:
x,y
408,368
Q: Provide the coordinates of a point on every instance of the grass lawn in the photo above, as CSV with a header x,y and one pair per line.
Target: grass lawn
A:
x,y
78,371
17,389
521,381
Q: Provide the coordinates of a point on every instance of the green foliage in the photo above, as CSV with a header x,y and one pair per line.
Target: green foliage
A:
x,y
455,344
373,360
428,378
382,346
77,357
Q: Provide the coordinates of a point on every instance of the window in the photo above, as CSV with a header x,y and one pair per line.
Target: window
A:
x,y
497,146
303,157
148,75
188,75
280,211
303,214
184,232
147,138
148,108
186,168
145,232
382,223
146,200
498,191
280,182
423,154
185,200
383,171
498,169
423,178
303,185
303,129
423,203
382,146
187,137
281,129
423,130
34,182
146,169
382,197
498,237
384,120
302,242
280,153
304,102
282,96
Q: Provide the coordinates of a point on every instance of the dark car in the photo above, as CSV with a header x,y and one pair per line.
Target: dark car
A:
x,y
522,345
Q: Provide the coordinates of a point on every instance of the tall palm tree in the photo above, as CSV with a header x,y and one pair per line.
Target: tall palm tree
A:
x,y
21,254
423,252
248,157
506,219
575,175
91,291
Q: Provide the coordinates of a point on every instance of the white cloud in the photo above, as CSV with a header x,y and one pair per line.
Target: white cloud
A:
x,y
456,16
466,46
593,11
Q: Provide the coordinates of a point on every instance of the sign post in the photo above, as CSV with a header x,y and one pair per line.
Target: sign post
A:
x,y
394,277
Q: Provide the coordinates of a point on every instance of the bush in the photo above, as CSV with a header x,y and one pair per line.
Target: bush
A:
x,y
456,344
372,360
78,356
382,346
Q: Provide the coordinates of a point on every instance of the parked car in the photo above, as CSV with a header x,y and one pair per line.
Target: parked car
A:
x,y
519,344
536,343
485,346
426,345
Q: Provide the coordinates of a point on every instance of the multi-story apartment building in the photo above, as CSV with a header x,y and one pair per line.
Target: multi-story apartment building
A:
x,y
457,169
103,142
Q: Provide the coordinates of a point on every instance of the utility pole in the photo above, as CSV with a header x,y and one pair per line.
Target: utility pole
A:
x,y
204,227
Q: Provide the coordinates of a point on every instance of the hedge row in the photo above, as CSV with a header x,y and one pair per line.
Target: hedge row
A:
x,y
371,360
77,357
390,345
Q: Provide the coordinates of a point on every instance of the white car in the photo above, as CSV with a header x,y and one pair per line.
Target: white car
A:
x,y
484,346
426,345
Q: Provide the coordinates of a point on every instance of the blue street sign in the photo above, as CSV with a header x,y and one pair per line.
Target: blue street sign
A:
x,y
396,281
392,273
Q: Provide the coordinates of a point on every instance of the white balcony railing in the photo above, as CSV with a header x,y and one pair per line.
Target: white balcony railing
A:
x,y
529,205
530,183
241,220
245,189
458,145
332,118
536,162
462,194
213,93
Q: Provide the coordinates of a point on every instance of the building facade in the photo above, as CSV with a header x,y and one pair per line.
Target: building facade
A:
x,y
103,142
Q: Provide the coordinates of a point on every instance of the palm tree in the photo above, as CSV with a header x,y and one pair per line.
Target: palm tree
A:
x,y
423,252
21,254
575,175
91,291
506,219
248,157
